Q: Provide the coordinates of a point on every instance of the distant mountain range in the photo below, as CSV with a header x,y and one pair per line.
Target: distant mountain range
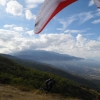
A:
x,y
78,66
40,55
75,65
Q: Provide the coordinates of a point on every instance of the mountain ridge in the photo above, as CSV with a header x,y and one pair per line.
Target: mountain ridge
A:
x,y
79,66
44,55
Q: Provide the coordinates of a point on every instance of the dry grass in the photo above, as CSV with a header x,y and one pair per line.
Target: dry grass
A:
x,y
12,93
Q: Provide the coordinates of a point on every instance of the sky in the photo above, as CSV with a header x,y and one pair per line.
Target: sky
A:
x,y
74,31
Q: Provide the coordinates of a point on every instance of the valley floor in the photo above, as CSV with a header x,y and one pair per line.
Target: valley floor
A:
x,y
11,93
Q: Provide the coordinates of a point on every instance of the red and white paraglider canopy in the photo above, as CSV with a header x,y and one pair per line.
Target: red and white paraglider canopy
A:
x,y
48,10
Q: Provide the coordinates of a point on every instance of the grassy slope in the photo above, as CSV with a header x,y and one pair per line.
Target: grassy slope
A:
x,y
11,93
29,79
48,68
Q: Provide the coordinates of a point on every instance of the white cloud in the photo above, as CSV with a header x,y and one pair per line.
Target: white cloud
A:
x,y
14,8
9,26
80,40
3,2
33,3
29,15
10,41
85,16
74,31
67,22
91,3
64,24
93,45
8,34
30,32
18,29
14,27
96,21
7,40
80,18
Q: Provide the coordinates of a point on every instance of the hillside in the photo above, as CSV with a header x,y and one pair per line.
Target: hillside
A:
x,y
28,79
83,67
51,69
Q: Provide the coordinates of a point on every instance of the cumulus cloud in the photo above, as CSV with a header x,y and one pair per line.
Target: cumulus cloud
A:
x,y
93,45
91,3
80,40
7,35
14,27
61,43
7,40
29,15
14,8
30,32
18,29
9,26
3,2
33,3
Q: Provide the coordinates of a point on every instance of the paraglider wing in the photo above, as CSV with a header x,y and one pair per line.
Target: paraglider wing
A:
x,y
97,2
48,10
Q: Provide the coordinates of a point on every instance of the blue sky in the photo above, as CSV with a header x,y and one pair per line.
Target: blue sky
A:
x,y
75,30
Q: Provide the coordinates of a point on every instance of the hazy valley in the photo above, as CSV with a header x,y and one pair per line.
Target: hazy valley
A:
x,y
75,65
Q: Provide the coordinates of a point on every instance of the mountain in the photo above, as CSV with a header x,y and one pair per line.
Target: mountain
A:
x,y
40,55
28,79
78,66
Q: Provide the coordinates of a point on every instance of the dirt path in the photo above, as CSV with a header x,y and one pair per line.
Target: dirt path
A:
x,y
11,93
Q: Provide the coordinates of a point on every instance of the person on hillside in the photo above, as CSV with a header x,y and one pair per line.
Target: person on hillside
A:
x,y
49,84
